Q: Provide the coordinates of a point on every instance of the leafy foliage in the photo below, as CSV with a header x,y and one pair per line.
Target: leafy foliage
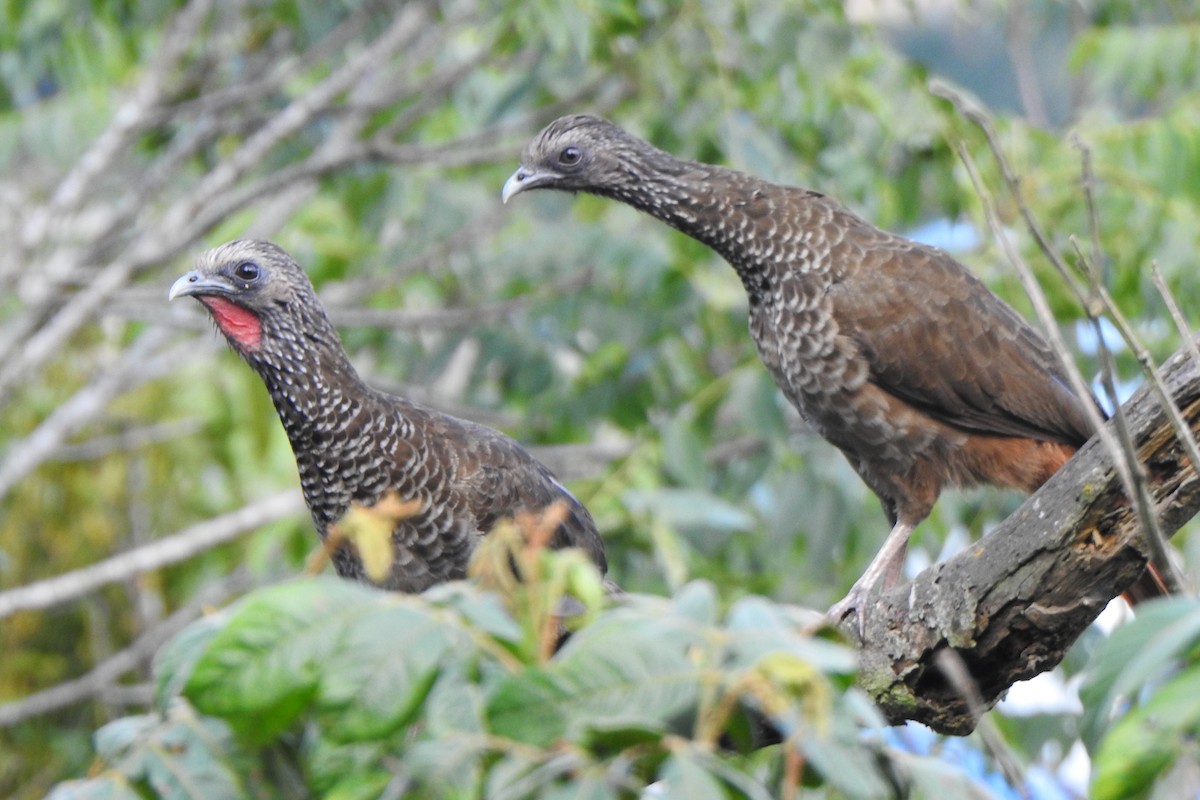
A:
x,y
1142,700
343,690
568,322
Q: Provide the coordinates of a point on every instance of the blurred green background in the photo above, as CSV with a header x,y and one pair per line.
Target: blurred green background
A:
x,y
371,140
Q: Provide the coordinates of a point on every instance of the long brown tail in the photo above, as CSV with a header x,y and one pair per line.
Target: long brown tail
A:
x,y
1147,587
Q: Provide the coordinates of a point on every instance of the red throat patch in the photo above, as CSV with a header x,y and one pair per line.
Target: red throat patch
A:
x,y
240,325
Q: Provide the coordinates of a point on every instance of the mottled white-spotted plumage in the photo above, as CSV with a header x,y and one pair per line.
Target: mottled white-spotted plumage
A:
x,y
890,349
354,444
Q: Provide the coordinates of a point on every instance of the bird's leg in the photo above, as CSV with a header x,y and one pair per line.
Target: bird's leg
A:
x,y
883,570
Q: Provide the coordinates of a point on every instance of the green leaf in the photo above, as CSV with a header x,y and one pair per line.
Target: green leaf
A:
x,y
759,627
1134,655
484,610
691,509
185,760
519,775
364,785
531,707
332,768
846,764
455,704
173,664
685,778
361,659
261,670
586,787
1150,738
450,765
121,736
697,601
626,669
383,668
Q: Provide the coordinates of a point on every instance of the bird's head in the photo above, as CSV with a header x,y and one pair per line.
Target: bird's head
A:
x,y
579,153
254,290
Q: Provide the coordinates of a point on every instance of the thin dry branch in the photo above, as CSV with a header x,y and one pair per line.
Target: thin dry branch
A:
x,y
104,675
1130,471
131,118
136,365
128,439
175,548
1181,324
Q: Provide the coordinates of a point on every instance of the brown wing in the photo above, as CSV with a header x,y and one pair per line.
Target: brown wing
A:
x,y
939,339
497,478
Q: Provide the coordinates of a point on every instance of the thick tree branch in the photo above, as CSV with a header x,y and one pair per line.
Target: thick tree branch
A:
x,y
1013,603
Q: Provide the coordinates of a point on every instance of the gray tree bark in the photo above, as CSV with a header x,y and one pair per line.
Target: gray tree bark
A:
x,y
944,648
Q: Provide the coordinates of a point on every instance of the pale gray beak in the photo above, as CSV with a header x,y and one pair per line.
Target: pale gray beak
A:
x,y
524,178
194,283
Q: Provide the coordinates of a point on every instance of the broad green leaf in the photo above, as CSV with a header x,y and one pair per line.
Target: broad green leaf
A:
x,y
1136,653
846,765
455,703
603,741
685,778
360,786
327,763
1147,740
361,659
121,736
586,787
385,663
532,707
697,601
484,610
758,627
186,760
623,670
517,775
683,451
692,509
449,765
262,669
174,662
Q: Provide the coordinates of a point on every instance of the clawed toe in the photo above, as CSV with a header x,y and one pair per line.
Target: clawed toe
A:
x,y
856,603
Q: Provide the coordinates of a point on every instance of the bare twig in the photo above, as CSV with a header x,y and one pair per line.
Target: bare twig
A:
x,y
1124,461
405,29
127,440
171,550
954,670
1155,539
1050,327
131,118
1025,69
1181,325
101,678
139,363
1129,468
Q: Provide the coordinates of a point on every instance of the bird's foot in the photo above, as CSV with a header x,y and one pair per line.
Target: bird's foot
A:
x,y
857,601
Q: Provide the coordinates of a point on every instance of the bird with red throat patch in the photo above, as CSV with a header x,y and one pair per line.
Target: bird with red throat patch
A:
x,y
355,446
891,350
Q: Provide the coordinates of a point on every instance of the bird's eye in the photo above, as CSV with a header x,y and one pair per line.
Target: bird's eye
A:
x,y
246,271
570,156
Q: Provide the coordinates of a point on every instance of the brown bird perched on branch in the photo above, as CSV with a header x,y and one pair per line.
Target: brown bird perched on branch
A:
x,y
891,350
355,445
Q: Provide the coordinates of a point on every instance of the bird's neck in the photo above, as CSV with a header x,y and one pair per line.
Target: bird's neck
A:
x,y
735,214
315,389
